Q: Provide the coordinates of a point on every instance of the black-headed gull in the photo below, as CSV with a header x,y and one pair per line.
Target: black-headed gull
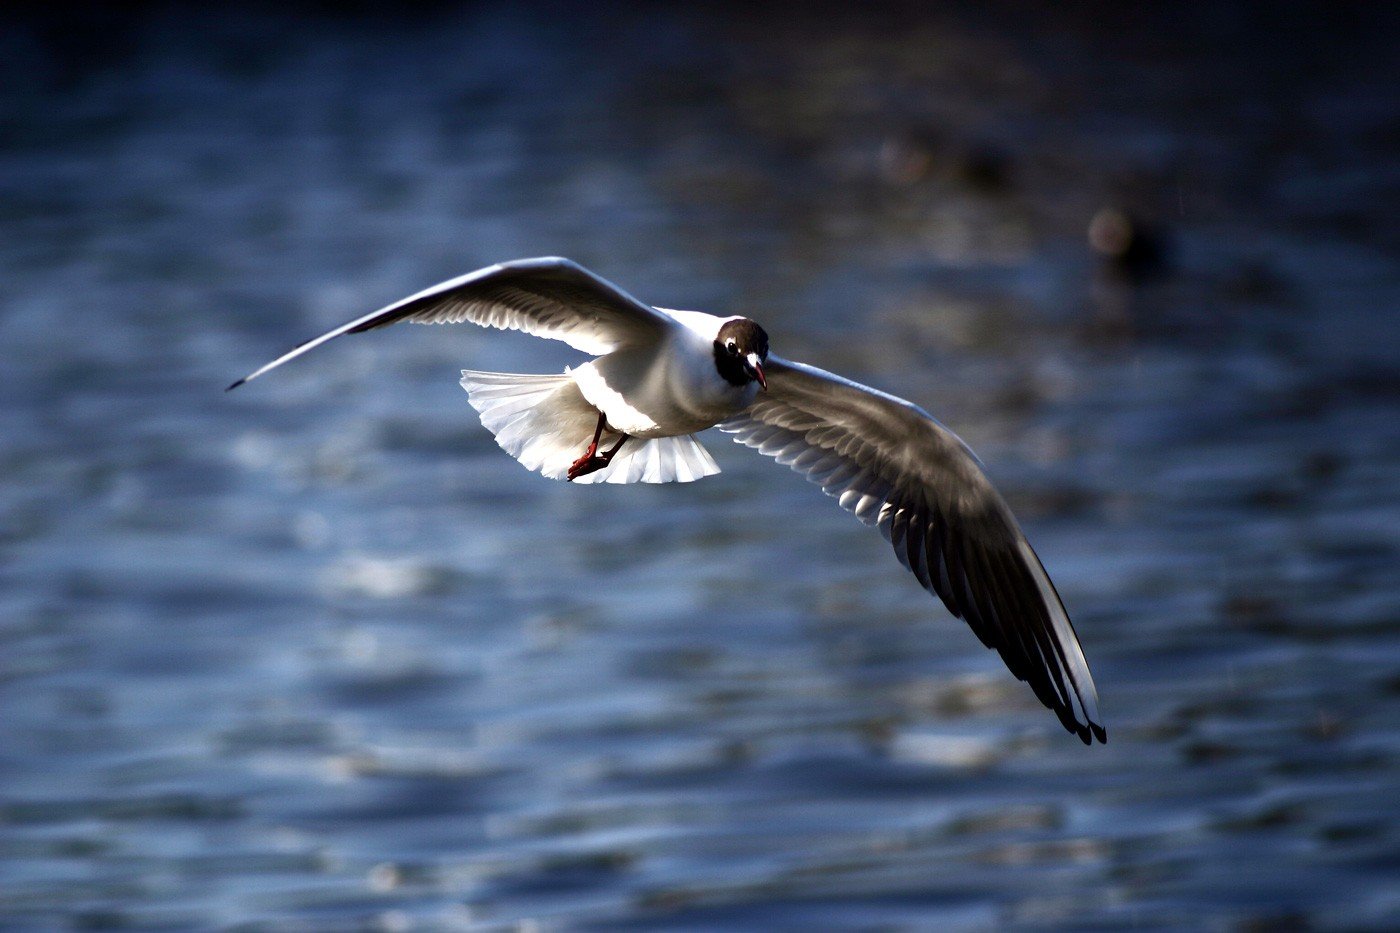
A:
x,y
659,376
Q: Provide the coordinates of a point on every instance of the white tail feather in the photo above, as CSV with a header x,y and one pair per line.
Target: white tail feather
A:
x,y
546,424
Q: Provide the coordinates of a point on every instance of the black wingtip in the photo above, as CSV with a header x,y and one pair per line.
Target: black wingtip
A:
x,y
1087,734
235,385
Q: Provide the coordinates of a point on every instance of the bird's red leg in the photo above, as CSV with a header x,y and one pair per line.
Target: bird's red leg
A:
x,y
608,454
598,461
590,464
590,460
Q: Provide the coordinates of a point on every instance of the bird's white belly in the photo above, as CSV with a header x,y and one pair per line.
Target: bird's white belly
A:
x,y
648,394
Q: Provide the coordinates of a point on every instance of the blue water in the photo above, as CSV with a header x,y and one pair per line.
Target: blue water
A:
x,y
318,655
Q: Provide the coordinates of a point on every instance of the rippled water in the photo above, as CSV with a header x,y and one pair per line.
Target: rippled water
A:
x,y
318,655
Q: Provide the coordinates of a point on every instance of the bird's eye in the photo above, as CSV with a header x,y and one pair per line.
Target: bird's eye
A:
x,y
733,347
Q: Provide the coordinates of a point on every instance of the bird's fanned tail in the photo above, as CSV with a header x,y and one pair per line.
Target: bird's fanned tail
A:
x,y
546,423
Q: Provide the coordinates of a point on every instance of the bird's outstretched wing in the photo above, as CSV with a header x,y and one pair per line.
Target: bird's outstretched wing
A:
x,y
549,297
894,466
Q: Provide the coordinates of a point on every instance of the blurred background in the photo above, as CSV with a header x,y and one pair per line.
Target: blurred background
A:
x,y
318,655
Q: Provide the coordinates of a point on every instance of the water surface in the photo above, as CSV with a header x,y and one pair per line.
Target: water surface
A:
x,y
318,655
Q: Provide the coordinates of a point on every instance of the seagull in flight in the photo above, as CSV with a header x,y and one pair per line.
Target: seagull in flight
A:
x,y
657,377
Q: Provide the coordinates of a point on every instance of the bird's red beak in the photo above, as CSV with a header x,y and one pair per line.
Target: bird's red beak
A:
x,y
756,368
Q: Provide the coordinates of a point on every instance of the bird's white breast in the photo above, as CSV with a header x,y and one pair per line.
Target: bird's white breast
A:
x,y
665,390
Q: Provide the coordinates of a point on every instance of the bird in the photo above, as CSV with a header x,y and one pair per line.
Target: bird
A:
x,y
656,377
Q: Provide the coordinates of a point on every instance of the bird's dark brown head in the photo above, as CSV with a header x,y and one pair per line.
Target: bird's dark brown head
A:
x,y
741,349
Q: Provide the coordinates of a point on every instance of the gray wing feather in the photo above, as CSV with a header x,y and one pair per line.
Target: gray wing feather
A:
x,y
548,297
892,465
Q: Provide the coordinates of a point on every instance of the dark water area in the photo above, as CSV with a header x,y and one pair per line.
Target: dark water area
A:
x,y
317,655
